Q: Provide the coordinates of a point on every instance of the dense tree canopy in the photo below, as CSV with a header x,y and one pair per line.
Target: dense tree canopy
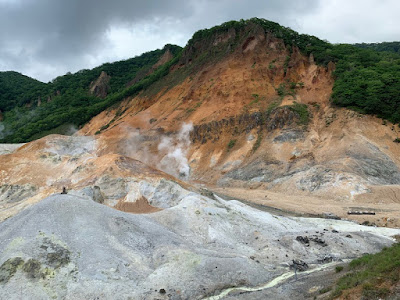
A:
x,y
385,46
67,100
368,81
17,90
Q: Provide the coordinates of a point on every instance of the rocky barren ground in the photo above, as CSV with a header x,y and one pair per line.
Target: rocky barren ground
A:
x,y
193,246
181,242
70,247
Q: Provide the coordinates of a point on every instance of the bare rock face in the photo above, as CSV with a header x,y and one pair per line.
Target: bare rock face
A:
x,y
331,67
100,87
277,119
166,57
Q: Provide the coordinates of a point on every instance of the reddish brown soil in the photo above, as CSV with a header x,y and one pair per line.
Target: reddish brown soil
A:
x,y
140,206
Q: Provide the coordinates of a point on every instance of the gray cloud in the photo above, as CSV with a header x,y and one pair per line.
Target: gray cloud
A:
x,y
47,38
355,21
63,32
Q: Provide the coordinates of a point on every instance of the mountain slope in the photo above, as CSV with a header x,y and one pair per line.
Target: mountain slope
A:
x,y
262,119
32,108
17,89
365,80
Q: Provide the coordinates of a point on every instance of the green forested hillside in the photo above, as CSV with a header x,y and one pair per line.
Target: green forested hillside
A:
x,y
69,99
368,81
17,90
385,46
121,72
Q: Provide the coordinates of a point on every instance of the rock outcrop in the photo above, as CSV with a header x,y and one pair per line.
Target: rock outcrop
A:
x,y
100,87
243,124
166,57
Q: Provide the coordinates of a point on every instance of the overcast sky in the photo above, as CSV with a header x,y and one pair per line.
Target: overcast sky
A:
x,y
47,38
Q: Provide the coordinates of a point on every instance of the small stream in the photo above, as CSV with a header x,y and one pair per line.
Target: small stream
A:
x,y
280,279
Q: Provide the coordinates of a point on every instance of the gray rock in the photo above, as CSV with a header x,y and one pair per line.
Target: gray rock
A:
x,y
258,170
112,188
329,215
97,195
374,165
289,135
16,193
69,247
9,148
299,265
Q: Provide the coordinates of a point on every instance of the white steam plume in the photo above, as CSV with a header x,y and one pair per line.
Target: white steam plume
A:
x,y
171,154
134,145
71,130
175,161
